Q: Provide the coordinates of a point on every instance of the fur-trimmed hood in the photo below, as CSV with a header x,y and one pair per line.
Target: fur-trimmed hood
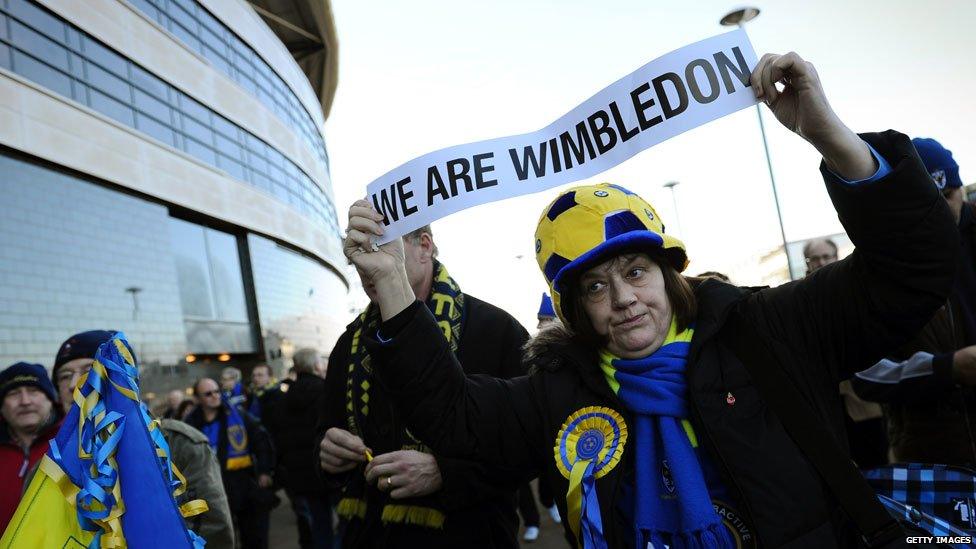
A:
x,y
552,346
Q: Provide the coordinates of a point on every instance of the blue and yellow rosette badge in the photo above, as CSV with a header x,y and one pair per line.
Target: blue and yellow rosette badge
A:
x,y
588,446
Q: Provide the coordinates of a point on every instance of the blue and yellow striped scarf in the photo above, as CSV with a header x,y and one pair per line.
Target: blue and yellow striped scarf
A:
x,y
672,503
238,450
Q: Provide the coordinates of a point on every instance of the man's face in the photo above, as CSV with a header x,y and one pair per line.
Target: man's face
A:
x,y
954,199
818,255
320,367
68,377
174,398
26,408
228,382
260,377
208,394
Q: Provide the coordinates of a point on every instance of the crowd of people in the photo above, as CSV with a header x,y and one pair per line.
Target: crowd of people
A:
x,y
650,409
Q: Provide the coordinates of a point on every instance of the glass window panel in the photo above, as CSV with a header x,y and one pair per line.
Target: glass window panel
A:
x,y
146,7
39,46
261,181
225,127
232,167
182,14
248,84
4,56
3,26
156,129
228,283
74,39
111,107
203,152
38,19
198,131
192,268
257,162
186,36
77,64
229,148
279,191
41,73
152,106
211,23
149,83
276,175
217,60
215,42
194,109
189,6
105,57
109,83
79,92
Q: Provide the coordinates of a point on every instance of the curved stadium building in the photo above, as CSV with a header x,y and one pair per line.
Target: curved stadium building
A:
x,y
163,171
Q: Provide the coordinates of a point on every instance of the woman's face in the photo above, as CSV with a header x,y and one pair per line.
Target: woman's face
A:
x,y
626,303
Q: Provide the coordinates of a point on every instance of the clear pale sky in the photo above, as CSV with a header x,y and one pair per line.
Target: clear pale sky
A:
x,y
422,75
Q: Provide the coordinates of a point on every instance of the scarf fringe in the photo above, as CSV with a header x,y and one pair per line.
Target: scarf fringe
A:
x,y
412,514
351,507
715,536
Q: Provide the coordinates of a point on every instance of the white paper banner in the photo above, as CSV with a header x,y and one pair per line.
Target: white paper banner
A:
x,y
670,95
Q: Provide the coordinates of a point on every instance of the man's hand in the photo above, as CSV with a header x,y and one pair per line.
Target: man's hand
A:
x,y
405,474
341,451
380,267
964,366
803,108
264,480
373,262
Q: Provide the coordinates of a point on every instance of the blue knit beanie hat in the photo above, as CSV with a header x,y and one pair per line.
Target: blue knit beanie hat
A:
x,y
939,163
24,373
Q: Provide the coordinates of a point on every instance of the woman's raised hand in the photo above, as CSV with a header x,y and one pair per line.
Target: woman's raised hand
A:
x,y
803,108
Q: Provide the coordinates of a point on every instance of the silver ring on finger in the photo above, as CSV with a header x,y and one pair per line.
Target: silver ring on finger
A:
x,y
389,482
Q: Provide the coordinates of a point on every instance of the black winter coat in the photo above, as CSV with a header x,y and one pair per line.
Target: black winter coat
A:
x,y
842,318
930,418
291,419
477,505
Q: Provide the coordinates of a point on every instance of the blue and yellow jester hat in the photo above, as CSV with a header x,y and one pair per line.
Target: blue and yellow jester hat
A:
x,y
589,224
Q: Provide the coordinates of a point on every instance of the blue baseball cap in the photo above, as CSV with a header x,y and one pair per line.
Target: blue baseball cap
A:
x,y
939,163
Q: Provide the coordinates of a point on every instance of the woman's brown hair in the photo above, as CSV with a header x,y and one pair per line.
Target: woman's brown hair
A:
x,y
684,306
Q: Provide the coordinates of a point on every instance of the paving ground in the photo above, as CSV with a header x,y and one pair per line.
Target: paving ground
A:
x,y
284,533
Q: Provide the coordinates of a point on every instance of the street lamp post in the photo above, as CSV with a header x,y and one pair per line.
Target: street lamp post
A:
x,y
674,199
738,18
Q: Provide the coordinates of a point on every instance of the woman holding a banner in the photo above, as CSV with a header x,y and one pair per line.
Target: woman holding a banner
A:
x,y
676,411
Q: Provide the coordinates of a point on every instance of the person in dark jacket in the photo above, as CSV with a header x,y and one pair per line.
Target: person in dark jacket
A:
x,y
246,459
263,392
415,497
641,414
292,424
28,422
927,386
